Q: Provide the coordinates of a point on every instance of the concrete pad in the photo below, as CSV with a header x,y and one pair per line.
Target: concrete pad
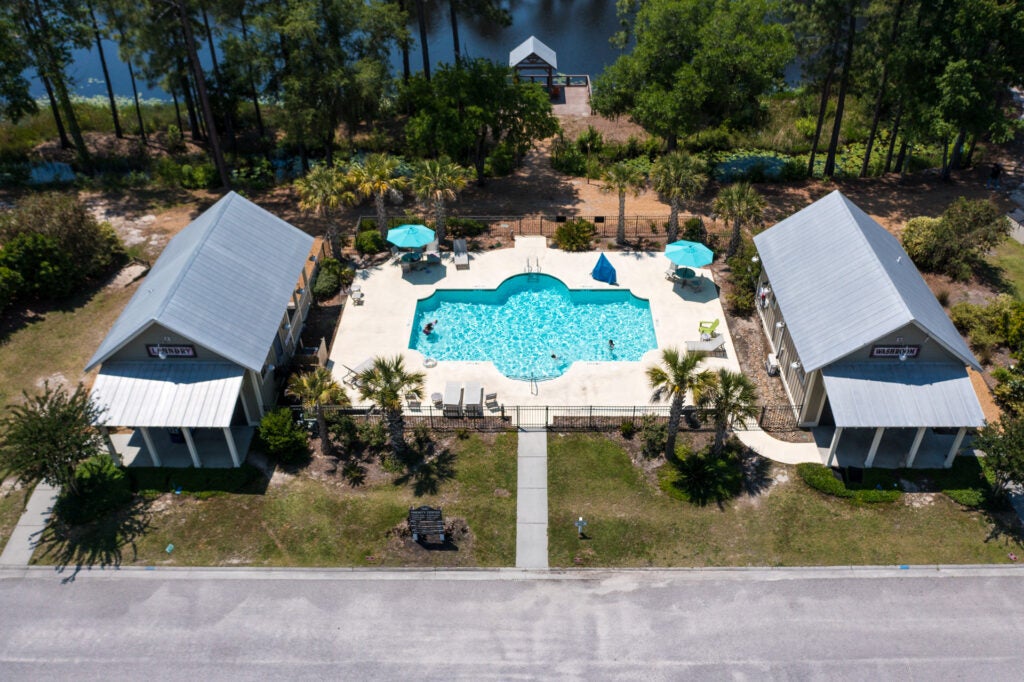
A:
x,y
533,472
383,325
531,545
532,505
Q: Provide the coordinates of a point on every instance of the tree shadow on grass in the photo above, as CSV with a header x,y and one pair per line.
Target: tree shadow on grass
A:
x,y
100,543
425,468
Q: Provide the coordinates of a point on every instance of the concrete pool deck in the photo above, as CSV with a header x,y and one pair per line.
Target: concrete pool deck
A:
x,y
383,324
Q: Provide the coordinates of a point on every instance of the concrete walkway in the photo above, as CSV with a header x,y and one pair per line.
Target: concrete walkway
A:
x,y
25,536
779,450
532,500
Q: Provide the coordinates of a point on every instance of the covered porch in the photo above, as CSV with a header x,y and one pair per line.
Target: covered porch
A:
x,y
212,448
906,414
174,414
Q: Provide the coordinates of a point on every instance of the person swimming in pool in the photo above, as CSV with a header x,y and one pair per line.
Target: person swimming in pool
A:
x,y
611,344
429,328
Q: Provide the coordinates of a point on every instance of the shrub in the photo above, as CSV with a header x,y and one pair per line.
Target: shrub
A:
x,y
282,438
694,230
743,276
174,140
500,162
653,436
464,227
373,435
703,477
47,271
201,174
370,241
822,479
567,158
575,235
11,283
627,429
343,430
100,488
959,240
326,285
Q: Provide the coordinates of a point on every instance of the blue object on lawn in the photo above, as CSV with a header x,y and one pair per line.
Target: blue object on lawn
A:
x,y
604,271
170,548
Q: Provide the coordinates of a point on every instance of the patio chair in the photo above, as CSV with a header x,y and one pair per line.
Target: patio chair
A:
x,y
413,401
707,328
461,254
352,375
714,346
472,401
695,283
491,401
432,254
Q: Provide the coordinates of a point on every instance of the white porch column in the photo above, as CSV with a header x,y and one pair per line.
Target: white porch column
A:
x,y
191,447
153,454
256,393
956,446
245,406
874,447
916,446
105,432
235,459
834,446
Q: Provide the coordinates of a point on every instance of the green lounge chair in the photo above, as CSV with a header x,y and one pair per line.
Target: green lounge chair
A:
x,y
708,327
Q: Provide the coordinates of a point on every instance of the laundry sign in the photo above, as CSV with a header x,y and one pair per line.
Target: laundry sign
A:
x,y
162,351
895,351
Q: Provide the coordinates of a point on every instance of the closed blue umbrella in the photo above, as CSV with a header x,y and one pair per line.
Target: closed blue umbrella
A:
x,y
689,254
410,236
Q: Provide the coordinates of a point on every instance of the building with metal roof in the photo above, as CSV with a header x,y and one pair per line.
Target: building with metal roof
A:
x,y
858,338
186,369
534,56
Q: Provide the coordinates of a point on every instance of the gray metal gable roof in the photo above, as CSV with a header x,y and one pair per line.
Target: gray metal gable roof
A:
x,y
223,282
533,46
842,281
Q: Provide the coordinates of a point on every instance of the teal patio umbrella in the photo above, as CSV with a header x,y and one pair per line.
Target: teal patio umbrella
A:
x,y
410,236
689,254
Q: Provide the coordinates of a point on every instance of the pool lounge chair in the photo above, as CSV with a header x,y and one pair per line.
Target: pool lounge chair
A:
x,y
473,399
714,346
461,254
352,375
432,254
452,399
491,401
707,328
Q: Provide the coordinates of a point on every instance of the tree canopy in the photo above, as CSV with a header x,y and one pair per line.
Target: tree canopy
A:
x,y
695,64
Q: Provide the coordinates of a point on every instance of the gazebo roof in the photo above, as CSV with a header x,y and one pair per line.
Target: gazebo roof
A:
x,y
532,47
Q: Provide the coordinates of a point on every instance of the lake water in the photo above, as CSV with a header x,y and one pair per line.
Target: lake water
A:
x,y
577,30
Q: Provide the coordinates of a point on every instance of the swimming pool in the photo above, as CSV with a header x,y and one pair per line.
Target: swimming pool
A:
x,y
528,319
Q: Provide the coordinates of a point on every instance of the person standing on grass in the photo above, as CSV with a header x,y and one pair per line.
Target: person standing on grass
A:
x,y
993,177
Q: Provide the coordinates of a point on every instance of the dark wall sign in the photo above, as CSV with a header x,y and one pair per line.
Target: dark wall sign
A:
x,y
162,351
895,351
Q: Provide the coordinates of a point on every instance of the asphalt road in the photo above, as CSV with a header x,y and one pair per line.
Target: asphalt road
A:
x,y
923,624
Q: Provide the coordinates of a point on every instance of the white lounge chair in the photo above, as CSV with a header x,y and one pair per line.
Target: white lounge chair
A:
x,y
714,346
352,375
452,399
461,254
432,254
473,399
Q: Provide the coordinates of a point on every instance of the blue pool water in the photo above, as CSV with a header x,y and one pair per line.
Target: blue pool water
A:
x,y
529,318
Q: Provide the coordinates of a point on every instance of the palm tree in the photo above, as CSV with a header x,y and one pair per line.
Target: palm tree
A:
x,y
672,379
377,178
321,191
731,397
385,384
439,182
739,203
315,389
681,178
622,177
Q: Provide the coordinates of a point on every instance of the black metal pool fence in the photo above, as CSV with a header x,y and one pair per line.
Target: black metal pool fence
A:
x,y
591,418
502,227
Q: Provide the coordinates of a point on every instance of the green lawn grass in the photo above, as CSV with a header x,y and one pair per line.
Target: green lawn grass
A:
x,y
632,523
12,504
61,341
1009,258
309,522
